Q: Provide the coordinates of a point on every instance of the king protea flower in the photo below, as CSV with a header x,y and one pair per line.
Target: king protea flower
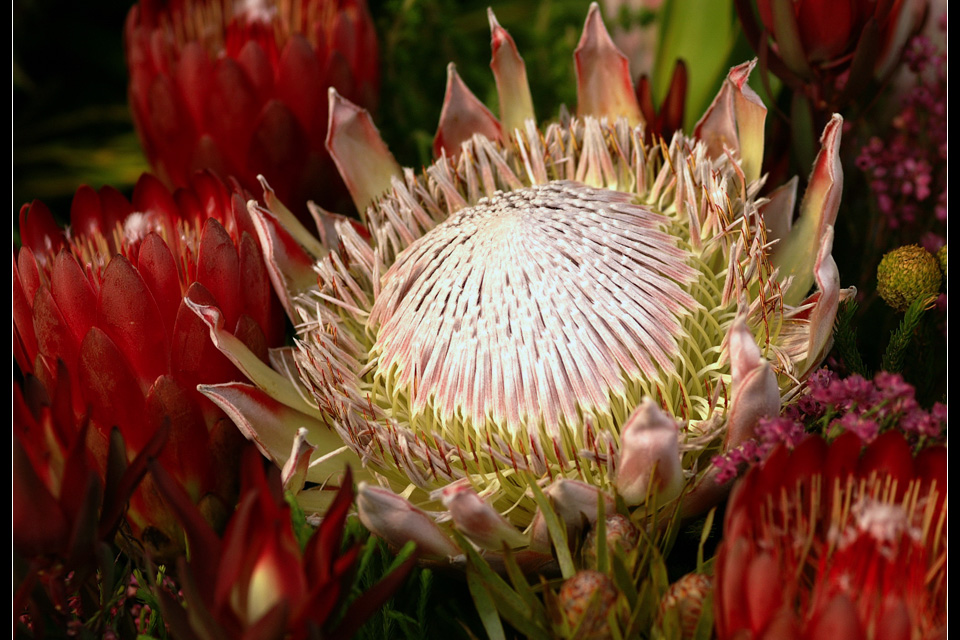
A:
x,y
110,300
569,305
240,88
840,540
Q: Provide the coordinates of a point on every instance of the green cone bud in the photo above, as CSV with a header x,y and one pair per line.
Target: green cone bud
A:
x,y
942,258
907,274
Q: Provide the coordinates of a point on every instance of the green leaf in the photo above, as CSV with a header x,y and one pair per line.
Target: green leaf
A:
x,y
623,579
603,551
704,630
522,586
704,535
505,599
485,606
557,531
301,529
702,34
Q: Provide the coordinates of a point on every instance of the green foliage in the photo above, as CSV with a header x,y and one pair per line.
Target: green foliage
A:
x,y
900,339
301,528
418,38
150,623
530,605
903,343
845,337
428,605
703,34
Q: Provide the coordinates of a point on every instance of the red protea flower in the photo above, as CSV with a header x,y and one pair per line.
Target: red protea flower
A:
x,y
836,540
255,582
111,298
241,88
64,514
831,49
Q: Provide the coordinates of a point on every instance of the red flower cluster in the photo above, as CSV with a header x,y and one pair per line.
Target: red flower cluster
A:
x,y
241,88
106,306
836,540
255,582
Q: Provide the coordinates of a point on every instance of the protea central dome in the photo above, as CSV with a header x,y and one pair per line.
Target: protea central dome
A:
x,y
533,311
568,304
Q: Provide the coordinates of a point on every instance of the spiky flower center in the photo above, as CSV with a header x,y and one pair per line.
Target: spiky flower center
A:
x,y
532,307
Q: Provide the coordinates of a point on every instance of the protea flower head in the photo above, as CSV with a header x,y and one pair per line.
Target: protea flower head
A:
x,y
839,540
240,88
569,304
256,581
64,513
111,300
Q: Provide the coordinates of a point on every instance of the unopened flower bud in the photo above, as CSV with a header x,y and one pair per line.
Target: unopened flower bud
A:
x,y
907,274
650,452
586,601
620,532
686,596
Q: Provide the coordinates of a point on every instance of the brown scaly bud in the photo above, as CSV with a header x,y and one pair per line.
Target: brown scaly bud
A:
x,y
586,600
620,532
686,597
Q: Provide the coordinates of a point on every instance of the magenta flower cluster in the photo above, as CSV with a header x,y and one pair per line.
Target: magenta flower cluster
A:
x,y
907,168
834,405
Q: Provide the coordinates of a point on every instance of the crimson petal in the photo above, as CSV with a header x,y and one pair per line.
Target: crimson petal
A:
x,y
129,315
218,270
158,268
110,385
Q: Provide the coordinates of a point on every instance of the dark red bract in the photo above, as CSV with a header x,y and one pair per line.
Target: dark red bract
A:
x,y
244,91
831,51
255,582
839,540
107,300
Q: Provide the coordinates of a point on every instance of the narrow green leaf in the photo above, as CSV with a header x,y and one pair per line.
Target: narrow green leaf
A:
x,y
703,35
405,552
506,600
704,630
623,579
658,572
484,603
522,586
603,551
704,535
301,528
